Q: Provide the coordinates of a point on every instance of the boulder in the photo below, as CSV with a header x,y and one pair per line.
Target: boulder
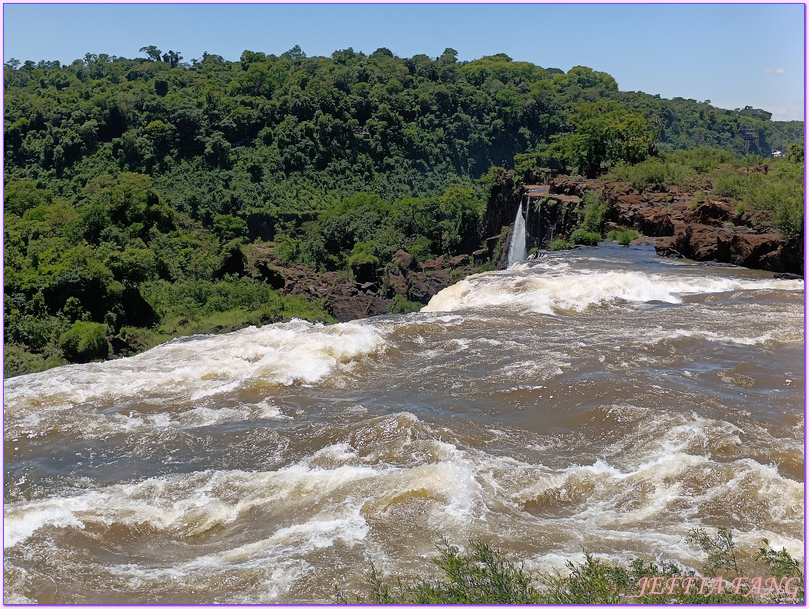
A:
x,y
787,258
655,222
272,275
745,249
364,272
712,212
395,283
405,261
734,245
462,260
368,287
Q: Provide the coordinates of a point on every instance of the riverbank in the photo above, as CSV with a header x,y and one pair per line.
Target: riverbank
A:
x,y
401,286
686,223
257,287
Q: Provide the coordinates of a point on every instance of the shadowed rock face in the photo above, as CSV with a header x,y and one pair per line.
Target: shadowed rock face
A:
x,y
372,293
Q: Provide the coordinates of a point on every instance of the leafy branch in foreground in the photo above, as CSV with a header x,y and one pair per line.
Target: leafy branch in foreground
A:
x,y
484,576
721,550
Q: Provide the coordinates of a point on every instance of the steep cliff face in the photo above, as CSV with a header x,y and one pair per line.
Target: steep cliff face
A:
x,y
505,195
550,214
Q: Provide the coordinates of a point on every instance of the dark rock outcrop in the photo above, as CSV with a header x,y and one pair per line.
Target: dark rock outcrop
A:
x,y
372,293
712,230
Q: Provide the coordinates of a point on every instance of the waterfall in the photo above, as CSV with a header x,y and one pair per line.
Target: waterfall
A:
x,y
517,250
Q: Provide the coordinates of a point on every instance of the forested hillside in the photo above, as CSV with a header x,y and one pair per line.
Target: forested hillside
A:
x,y
131,186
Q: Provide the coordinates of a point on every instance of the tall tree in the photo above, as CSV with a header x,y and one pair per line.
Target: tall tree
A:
x,y
152,52
172,58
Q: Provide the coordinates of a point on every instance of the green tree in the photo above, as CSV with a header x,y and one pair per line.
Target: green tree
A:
x,y
152,52
602,134
172,58
229,227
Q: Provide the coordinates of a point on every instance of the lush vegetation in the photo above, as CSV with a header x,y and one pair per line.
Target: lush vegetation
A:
x,y
772,186
115,260
132,186
484,576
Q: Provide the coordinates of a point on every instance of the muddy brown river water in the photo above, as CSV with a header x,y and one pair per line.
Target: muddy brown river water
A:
x,y
602,398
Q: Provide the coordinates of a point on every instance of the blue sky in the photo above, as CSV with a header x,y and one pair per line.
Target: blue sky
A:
x,y
732,54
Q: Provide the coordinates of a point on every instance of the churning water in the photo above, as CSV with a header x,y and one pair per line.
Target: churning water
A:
x,y
603,399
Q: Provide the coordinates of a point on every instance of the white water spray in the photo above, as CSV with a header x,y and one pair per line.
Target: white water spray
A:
x,y
517,250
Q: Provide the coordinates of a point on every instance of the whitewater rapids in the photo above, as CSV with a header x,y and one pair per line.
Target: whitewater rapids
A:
x,y
601,399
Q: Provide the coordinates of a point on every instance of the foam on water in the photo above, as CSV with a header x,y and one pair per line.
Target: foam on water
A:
x,y
348,484
555,292
203,366
20,525
396,471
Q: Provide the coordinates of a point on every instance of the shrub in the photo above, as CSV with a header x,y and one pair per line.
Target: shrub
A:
x,y
229,227
497,253
559,244
420,249
17,360
658,170
593,211
582,237
627,236
363,254
698,198
85,341
400,305
484,576
481,576
795,153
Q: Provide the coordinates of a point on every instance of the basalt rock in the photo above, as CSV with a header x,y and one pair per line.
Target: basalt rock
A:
x,y
656,222
348,298
459,261
272,275
713,212
735,245
713,230
137,311
364,272
574,185
405,261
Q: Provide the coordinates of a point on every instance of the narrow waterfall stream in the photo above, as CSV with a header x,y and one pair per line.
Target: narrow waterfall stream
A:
x,y
517,251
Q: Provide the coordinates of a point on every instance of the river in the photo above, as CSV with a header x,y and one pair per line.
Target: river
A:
x,y
602,399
